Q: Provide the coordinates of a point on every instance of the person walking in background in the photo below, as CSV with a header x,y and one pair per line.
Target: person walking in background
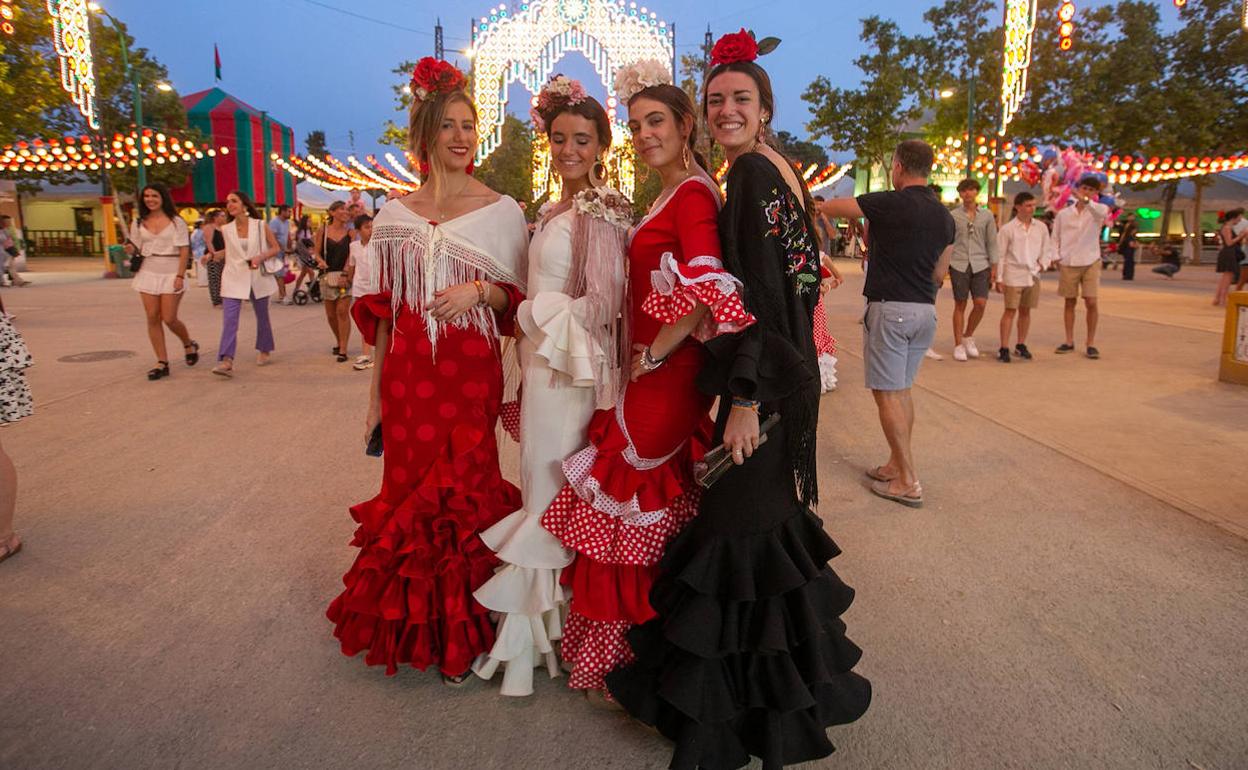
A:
x,y
15,403
1077,239
1229,254
1026,249
303,246
360,276
1240,229
214,244
1127,245
972,267
159,237
331,247
280,225
912,237
10,249
247,244
199,254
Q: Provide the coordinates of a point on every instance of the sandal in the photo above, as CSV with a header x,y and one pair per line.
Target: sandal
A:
x,y
8,548
160,371
457,681
912,497
192,353
341,357
221,370
875,474
263,359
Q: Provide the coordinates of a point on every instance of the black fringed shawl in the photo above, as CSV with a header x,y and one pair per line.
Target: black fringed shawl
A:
x,y
768,242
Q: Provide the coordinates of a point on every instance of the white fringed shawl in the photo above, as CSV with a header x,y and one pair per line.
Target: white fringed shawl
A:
x,y
412,258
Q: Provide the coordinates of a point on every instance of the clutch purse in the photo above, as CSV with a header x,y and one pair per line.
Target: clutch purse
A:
x,y
716,462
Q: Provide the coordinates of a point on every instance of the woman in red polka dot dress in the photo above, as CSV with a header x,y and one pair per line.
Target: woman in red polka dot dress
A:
x,y
446,260
631,490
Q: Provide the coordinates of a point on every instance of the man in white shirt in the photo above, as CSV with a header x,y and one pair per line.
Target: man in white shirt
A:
x,y
1026,251
1077,239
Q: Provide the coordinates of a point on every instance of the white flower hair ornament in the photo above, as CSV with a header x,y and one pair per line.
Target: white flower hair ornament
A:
x,y
631,79
560,91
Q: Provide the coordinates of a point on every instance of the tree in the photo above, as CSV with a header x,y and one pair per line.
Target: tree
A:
x,y
800,151
964,48
867,120
395,134
509,169
30,83
315,143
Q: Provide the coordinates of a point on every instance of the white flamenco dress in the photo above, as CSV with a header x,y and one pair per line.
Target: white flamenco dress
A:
x,y
569,369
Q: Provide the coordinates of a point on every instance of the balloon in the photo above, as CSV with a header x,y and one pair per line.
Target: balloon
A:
x,y
1029,172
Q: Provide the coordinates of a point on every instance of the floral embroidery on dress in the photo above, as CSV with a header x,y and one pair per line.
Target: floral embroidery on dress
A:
x,y
788,223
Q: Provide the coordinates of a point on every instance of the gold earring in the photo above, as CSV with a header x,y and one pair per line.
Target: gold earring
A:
x,y
598,173
684,156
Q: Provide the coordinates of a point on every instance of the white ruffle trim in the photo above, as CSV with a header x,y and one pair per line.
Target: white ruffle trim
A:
x,y
577,470
559,337
827,372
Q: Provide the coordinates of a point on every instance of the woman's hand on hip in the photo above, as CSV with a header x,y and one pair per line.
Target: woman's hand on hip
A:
x,y
741,433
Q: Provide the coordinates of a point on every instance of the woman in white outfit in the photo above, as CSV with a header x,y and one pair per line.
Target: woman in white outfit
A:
x,y
571,354
161,238
248,243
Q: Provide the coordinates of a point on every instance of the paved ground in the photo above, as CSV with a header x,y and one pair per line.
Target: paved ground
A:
x,y
1055,605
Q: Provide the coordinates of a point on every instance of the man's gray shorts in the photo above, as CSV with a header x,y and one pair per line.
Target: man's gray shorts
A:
x,y
895,337
972,284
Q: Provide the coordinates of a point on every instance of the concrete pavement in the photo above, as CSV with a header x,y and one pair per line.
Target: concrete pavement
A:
x,y
1050,608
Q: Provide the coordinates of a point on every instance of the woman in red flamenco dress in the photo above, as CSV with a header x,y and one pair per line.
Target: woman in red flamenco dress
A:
x,y
447,261
631,490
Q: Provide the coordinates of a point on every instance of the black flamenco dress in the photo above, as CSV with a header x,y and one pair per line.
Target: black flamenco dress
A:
x,y
748,653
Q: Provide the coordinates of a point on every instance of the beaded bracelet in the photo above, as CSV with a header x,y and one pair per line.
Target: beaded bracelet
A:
x,y
480,293
649,362
745,403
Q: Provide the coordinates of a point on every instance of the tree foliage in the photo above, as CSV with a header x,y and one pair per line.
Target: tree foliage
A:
x,y
867,120
800,151
315,143
509,169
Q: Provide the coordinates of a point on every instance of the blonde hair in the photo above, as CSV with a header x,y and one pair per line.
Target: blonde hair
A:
x,y
423,126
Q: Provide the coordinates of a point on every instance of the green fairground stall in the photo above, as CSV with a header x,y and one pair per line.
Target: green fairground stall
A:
x,y
252,137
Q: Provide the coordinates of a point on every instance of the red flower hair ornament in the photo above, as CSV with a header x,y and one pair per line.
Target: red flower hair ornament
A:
x,y
435,76
741,46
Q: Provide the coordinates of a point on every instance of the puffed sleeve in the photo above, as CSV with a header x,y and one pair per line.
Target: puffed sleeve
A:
x,y
773,358
696,275
368,310
181,236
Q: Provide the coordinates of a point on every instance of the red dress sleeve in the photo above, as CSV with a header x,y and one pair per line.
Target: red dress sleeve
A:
x,y
696,275
368,310
507,318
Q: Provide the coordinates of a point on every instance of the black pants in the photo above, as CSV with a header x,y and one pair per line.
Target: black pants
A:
x,y
1128,263
215,269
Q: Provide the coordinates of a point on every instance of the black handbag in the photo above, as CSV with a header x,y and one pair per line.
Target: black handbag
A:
x,y
718,461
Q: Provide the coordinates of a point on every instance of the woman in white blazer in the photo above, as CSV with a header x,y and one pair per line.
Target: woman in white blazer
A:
x,y
248,243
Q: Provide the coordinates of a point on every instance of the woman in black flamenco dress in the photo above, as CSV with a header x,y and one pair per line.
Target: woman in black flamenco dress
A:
x,y
748,654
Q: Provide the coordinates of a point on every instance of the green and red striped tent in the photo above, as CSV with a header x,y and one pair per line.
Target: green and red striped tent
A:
x,y
251,136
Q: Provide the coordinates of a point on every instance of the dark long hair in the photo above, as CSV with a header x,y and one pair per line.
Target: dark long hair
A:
x,y
588,108
681,107
166,201
247,204
766,100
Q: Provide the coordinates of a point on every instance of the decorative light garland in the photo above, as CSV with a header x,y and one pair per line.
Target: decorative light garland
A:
x,y
1066,22
332,174
526,46
7,14
1020,27
71,34
86,153
1120,169
1245,15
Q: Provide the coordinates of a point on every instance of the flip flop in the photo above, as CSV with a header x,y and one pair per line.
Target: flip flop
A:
x,y
223,372
875,475
912,497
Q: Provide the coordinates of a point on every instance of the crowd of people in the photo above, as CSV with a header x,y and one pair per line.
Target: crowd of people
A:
x,y
662,546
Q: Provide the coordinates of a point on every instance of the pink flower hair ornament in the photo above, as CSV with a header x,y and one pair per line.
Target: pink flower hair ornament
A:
x,y
559,92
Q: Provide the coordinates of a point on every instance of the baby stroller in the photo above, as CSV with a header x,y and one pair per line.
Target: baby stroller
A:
x,y
313,290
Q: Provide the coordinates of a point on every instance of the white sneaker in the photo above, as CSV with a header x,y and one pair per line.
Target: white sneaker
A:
x,y
932,354
971,350
959,352
362,363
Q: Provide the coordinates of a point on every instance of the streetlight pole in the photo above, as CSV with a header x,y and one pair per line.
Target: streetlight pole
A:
x,y
136,94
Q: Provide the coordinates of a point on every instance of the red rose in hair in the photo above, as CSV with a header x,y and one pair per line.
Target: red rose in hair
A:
x,y
436,76
734,47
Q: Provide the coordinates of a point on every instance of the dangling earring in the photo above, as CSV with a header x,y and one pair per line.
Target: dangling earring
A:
x,y
684,156
598,173
472,166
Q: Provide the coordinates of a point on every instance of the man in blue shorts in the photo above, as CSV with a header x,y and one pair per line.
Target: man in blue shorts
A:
x,y
912,236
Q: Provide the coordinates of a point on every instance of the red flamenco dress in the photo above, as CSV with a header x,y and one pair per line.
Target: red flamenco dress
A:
x,y
631,490
408,596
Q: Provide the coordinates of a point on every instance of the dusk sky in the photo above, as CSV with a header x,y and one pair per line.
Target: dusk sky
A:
x,y
318,64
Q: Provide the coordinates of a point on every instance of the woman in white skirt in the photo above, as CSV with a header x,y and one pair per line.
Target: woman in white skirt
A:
x,y
161,238
248,274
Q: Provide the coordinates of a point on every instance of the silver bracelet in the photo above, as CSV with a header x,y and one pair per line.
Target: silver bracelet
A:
x,y
649,362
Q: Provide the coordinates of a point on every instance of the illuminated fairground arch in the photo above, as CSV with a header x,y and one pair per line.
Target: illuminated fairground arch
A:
x,y
525,47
